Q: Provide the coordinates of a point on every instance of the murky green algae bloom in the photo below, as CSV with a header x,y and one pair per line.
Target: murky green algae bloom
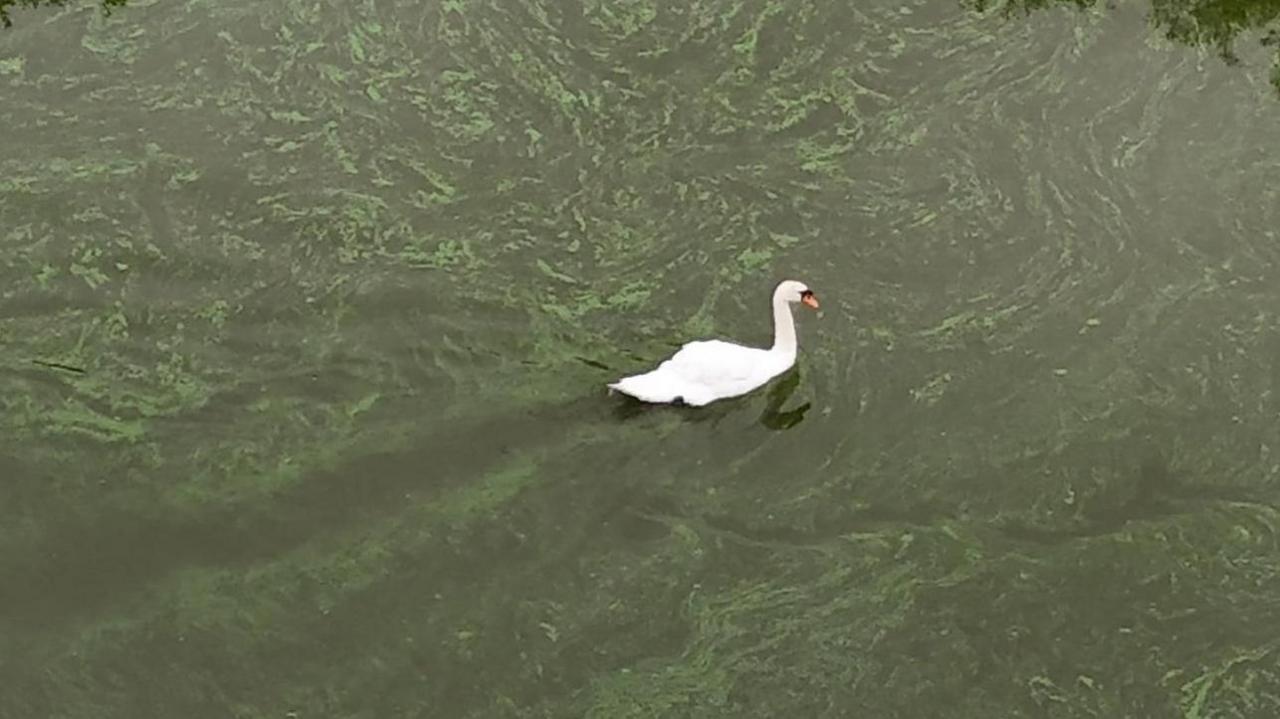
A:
x,y
308,307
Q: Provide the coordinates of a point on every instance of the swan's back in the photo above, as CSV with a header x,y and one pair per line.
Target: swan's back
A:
x,y
705,371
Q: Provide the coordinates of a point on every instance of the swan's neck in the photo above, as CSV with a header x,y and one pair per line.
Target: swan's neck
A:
x,y
784,328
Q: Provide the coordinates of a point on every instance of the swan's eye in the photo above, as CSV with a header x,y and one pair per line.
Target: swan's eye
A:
x,y
806,293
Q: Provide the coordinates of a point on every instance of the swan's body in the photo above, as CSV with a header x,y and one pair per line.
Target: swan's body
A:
x,y
708,370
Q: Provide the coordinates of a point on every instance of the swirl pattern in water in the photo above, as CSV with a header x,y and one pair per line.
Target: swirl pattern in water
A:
x,y
308,308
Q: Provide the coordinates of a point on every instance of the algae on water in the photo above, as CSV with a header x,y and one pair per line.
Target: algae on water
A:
x,y
308,310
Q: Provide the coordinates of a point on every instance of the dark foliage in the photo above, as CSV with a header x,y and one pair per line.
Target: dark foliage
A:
x,y
1215,24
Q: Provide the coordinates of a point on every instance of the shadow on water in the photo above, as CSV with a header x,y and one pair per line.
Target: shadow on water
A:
x,y
1212,24
87,566
774,417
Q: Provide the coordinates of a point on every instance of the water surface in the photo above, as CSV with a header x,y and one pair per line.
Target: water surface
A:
x,y
307,310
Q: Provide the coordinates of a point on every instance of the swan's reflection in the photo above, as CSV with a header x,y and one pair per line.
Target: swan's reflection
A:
x,y
773,416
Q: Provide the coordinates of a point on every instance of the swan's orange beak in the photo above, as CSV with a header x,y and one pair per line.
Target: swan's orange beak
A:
x,y
810,300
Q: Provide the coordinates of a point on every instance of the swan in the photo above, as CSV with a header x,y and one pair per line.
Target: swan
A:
x,y
705,371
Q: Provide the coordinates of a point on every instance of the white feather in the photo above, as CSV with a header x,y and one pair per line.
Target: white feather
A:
x,y
705,371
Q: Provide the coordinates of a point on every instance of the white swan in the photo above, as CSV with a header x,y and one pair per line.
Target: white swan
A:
x,y
703,372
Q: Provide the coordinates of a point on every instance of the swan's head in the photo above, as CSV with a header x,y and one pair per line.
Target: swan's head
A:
x,y
792,291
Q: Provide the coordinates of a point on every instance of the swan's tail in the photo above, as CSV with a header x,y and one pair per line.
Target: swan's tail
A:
x,y
649,387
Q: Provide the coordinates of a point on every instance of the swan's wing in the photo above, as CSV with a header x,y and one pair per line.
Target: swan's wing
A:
x,y
715,363
702,372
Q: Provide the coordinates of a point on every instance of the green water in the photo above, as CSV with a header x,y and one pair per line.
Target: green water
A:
x,y
307,308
